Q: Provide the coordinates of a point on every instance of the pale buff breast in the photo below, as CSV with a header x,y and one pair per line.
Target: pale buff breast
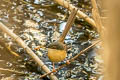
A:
x,y
57,55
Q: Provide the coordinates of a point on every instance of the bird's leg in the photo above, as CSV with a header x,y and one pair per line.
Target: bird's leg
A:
x,y
53,67
38,47
67,62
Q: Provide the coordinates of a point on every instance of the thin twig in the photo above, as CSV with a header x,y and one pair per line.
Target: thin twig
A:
x,y
8,46
72,59
79,13
14,71
69,24
28,50
25,2
86,49
96,16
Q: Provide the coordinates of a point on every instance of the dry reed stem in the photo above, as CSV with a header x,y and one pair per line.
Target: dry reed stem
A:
x,y
96,16
79,13
28,50
69,24
111,40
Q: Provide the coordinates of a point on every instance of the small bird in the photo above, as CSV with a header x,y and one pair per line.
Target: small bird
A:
x,y
56,52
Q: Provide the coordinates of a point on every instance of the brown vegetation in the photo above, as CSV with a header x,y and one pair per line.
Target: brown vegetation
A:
x,y
111,40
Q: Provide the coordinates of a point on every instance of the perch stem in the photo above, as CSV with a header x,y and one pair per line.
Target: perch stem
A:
x,y
69,24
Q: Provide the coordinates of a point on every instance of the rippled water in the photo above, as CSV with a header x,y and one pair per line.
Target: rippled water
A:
x,y
38,23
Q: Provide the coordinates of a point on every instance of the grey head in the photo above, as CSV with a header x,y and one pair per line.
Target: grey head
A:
x,y
56,45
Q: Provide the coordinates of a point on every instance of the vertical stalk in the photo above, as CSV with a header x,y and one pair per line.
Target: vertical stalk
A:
x,y
69,24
